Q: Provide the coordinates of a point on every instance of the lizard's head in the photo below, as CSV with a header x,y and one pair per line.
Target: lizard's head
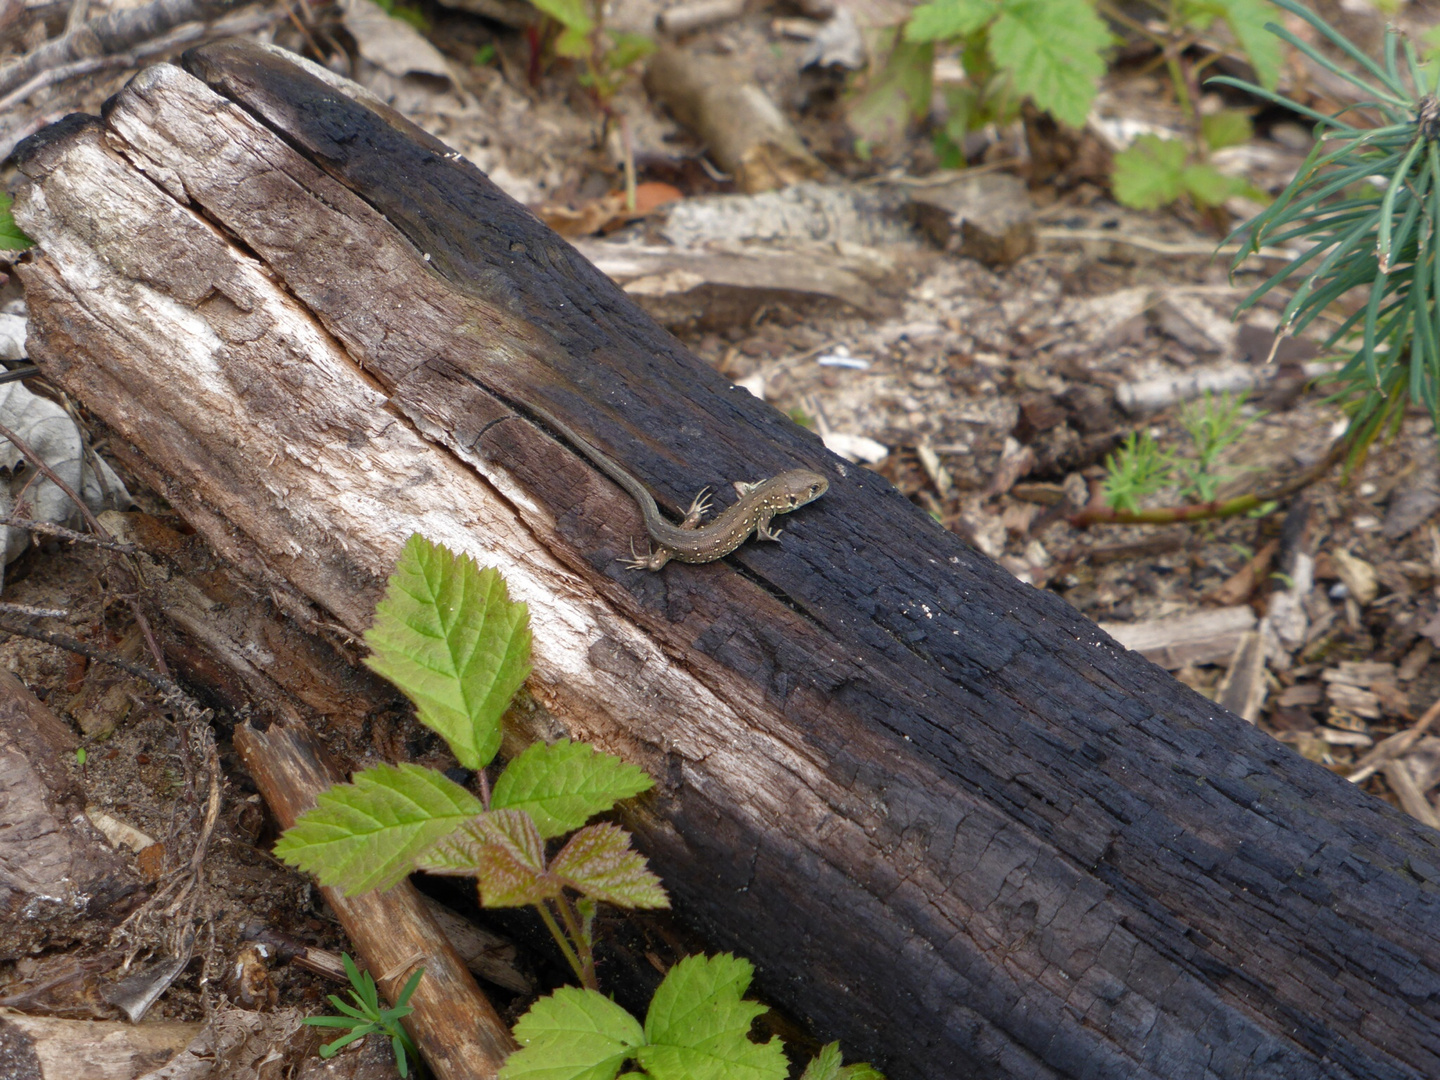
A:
x,y
802,486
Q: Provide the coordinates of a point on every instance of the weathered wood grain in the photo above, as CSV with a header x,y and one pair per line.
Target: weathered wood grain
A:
x,y
954,823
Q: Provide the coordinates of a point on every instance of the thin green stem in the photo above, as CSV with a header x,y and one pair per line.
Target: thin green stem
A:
x,y
583,945
565,949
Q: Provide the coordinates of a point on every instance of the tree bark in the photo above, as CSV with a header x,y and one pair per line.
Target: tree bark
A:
x,y
954,824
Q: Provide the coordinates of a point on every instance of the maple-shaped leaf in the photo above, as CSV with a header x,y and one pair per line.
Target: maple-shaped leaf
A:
x,y
504,850
365,834
599,862
697,1027
448,635
573,1034
1052,49
943,19
564,785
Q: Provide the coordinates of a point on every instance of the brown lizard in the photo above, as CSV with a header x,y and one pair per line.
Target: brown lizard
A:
x,y
690,541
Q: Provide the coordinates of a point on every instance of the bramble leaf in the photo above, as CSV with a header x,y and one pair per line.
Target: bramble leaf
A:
x,y
1208,186
826,1066
450,638
12,237
1149,174
570,14
1052,50
504,850
365,835
599,862
1247,19
564,785
944,19
1228,127
573,1034
698,1027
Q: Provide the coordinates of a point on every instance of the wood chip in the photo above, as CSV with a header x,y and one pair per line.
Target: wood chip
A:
x,y
1203,637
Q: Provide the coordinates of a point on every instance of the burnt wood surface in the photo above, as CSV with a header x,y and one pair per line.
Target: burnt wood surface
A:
x,y
1032,854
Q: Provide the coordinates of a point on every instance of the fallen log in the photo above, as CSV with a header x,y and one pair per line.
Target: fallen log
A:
x,y
954,824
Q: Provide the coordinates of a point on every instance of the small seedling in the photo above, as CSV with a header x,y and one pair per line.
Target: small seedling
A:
x,y
1140,469
448,635
609,60
366,1017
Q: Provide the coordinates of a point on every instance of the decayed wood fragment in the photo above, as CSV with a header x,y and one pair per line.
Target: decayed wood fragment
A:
x,y
955,825
454,1025
59,881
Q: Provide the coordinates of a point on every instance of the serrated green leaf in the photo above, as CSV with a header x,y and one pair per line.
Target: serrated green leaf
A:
x,y
1247,19
945,19
1052,50
698,1027
1150,173
824,1065
12,237
504,850
573,1034
627,48
570,14
1228,127
365,835
448,635
599,862
1208,186
564,785
734,1058
861,1070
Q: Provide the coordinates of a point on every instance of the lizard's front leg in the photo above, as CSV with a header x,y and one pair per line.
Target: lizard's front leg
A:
x,y
697,510
762,527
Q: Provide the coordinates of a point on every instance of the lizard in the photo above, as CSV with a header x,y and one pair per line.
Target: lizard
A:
x,y
690,541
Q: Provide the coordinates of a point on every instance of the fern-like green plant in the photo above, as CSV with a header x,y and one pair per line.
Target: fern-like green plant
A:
x,y
1140,469
1364,209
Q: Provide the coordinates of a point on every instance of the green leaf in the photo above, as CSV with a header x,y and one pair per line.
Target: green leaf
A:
x,y
1228,127
1208,186
574,43
627,49
824,1065
698,1027
898,94
944,19
861,1070
564,785
504,850
573,1034
599,862
448,635
12,237
570,14
1150,174
1247,19
1052,50
365,835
